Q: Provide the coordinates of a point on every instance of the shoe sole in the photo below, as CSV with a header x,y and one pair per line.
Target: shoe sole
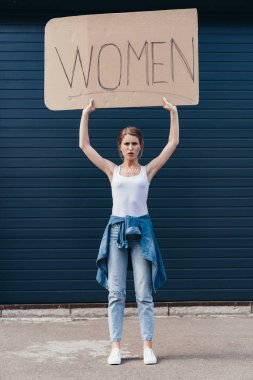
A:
x,y
114,363
149,362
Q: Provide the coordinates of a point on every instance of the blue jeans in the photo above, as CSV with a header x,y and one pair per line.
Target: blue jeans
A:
x,y
117,273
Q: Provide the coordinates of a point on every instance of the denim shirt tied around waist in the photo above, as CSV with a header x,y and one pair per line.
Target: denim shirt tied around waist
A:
x,y
132,225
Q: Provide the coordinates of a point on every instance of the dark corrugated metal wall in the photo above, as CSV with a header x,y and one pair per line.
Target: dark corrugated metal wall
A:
x,y
55,203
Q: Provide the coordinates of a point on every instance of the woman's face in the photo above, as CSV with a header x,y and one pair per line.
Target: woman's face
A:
x,y
130,147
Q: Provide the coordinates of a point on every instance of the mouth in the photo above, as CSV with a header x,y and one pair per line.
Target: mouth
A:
x,y
130,153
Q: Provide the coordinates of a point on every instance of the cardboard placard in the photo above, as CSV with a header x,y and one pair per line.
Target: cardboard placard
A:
x,y
128,59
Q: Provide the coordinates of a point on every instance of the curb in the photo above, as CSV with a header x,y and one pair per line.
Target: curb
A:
x,y
77,311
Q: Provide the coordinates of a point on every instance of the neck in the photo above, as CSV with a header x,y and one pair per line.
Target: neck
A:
x,y
130,164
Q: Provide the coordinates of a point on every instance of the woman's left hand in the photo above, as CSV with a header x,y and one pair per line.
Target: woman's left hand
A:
x,y
169,106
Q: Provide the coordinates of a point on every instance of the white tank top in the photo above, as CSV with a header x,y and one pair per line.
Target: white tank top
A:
x,y
129,194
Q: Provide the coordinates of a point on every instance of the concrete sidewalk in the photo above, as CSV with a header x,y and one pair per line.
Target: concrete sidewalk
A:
x,y
189,347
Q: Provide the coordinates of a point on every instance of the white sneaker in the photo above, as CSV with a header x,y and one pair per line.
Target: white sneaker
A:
x,y
115,356
149,356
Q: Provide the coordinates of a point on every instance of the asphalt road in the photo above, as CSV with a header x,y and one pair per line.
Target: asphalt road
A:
x,y
187,347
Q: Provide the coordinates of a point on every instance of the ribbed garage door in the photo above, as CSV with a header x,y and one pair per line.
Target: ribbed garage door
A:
x,y
55,203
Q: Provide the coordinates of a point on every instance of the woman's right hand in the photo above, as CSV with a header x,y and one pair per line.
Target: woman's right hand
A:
x,y
90,108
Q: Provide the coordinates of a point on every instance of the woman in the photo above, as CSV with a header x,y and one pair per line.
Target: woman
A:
x,y
129,230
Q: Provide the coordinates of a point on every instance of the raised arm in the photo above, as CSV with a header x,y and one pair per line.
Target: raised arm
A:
x,y
156,164
84,143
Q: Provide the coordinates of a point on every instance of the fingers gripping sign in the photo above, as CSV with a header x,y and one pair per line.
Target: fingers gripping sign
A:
x,y
168,106
90,107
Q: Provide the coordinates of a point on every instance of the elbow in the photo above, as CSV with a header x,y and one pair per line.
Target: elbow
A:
x,y
83,146
175,143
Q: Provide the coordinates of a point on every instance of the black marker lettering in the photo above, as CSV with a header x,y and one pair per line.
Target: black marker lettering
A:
x,y
74,67
191,73
138,57
155,63
99,81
